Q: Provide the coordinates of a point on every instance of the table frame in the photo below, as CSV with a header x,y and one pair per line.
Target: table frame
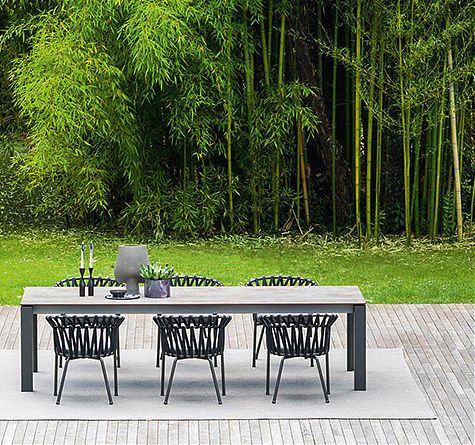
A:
x,y
356,317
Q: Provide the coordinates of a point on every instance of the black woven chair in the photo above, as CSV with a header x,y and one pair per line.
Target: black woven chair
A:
x,y
302,335
80,337
182,281
194,336
98,282
271,280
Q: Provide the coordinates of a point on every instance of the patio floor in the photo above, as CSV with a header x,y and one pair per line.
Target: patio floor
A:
x,y
438,344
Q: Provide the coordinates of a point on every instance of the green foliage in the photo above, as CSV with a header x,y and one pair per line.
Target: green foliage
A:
x,y
156,272
179,118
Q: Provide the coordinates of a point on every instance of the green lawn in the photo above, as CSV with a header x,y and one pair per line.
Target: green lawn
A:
x,y
442,273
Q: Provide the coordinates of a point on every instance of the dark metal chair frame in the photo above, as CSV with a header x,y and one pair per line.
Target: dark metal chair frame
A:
x,y
271,280
303,335
85,337
182,281
194,336
98,282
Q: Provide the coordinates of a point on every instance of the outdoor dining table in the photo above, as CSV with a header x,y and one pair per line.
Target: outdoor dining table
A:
x,y
200,300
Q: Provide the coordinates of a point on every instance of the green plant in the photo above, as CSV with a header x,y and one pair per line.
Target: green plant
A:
x,y
156,272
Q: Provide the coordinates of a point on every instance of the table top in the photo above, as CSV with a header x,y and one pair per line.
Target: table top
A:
x,y
223,298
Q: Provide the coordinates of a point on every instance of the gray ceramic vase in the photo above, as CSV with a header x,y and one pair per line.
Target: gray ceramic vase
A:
x,y
157,288
127,266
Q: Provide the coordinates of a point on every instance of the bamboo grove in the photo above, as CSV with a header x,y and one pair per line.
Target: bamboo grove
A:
x,y
177,118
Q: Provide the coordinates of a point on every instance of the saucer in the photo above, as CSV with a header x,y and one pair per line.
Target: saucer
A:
x,y
125,297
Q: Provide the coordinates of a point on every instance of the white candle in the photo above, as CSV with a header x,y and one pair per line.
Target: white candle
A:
x,y
91,254
82,255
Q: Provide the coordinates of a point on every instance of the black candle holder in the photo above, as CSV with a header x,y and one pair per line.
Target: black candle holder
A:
x,y
90,283
82,283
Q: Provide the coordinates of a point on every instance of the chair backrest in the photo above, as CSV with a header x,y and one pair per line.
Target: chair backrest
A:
x,y
193,336
85,336
301,335
194,280
281,280
98,282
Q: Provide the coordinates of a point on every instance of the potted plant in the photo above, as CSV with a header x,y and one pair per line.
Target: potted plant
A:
x,y
157,280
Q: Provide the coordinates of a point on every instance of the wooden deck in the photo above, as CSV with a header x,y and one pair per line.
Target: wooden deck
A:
x,y
438,343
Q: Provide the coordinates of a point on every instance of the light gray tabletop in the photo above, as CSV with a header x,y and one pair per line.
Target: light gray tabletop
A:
x,y
226,298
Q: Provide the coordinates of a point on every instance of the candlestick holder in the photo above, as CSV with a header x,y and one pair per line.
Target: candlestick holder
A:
x,y
90,283
82,283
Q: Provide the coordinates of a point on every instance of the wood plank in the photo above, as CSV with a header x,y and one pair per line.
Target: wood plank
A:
x,y
224,433
81,433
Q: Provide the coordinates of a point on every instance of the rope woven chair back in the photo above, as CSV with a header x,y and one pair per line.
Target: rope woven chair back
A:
x,y
85,336
280,280
298,335
98,282
194,336
194,280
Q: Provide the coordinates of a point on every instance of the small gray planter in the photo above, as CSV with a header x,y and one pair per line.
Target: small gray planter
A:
x,y
157,288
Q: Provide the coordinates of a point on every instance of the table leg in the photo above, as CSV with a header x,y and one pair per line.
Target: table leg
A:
x,y
35,343
360,347
350,342
27,348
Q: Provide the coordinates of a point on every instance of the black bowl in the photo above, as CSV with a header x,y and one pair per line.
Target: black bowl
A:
x,y
117,293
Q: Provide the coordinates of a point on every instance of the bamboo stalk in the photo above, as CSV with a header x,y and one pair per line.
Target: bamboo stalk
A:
x,y
319,38
280,81
438,169
269,32
415,182
369,143
348,99
406,136
379,139
228,137
334,88
265,56
453,134
303,176
357,140
248,70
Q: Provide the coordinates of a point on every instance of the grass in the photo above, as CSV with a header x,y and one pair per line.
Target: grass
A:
x,y
391,273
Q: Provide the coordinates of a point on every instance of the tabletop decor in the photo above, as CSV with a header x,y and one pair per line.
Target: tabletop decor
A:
x,y
157,280
90,283
82,283
127,266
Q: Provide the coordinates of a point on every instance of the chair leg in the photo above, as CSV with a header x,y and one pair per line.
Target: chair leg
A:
x,y
322,380
170,380
254,345
223,377
259,344
106,381
215,381
327,372
277,383
63,378
118,349
268,373
116,382
158,350
312,364
60,361
162,380
55,389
